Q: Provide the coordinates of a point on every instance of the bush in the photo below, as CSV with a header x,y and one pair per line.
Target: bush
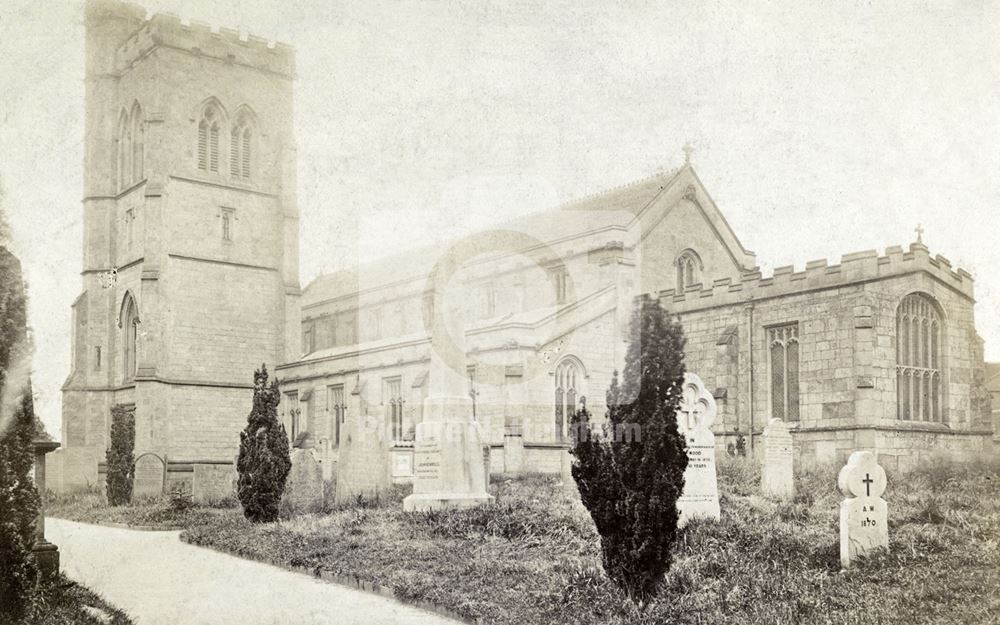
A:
x,y
120,457
18,512
181,499
18,498
631,486
264,460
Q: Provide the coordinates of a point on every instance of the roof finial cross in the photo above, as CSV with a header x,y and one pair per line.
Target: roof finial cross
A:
x,y
688,150
920,233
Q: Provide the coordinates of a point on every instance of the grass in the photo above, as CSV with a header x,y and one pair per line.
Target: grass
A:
x,y
147,513
64,602
534,557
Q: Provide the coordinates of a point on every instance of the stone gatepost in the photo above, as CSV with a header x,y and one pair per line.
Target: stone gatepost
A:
x,y
46,554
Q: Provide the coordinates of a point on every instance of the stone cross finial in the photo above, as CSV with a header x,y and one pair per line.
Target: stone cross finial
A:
x,y
688,151
920,233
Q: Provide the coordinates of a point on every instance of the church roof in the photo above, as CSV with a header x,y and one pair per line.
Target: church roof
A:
x,y
612,209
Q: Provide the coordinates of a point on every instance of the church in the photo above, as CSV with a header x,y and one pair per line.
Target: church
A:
x,y
190,273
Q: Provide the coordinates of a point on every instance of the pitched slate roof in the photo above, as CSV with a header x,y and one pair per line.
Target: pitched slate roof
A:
x,y
611,208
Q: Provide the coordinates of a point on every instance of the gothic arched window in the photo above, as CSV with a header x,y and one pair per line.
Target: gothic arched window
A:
x,y
783,344
568,384
919,360
138,141
688,269
208,138
129,324
124,150
240,139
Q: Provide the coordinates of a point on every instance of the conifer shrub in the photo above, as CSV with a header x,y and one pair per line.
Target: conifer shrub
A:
x,y
18,497
264,460
631,484
120,456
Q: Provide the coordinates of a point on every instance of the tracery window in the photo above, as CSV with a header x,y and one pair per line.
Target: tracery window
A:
x,y
688,269
337,409
208,138
138,133
568,380
129,325
240,146
392,398
919,360
783,343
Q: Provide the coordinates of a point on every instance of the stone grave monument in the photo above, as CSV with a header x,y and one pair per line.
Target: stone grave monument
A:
x,y
304,488
150,472
776,475
695,416
449,471
864,526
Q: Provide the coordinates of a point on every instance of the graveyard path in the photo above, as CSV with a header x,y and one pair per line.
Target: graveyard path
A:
x,y
157,579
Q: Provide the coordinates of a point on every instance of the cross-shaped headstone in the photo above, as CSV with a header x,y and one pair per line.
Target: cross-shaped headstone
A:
x,y
864,516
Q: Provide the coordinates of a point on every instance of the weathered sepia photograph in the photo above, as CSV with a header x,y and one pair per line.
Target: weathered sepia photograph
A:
x,y
399,312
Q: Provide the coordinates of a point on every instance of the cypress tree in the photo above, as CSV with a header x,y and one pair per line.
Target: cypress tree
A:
x,y
18,496
630,470
264,460
120,457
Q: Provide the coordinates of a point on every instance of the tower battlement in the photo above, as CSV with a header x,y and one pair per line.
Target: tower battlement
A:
x,y
852,268
199,38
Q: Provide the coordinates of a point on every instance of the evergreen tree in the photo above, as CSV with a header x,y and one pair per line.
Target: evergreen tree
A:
x,y
264,460
120,457
18,496
630,470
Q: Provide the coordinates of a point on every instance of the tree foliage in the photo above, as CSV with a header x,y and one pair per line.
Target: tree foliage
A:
x,y
630,469
120,456
264,460
18,496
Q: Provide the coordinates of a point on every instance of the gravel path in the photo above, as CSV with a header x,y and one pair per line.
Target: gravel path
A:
x,y
157,579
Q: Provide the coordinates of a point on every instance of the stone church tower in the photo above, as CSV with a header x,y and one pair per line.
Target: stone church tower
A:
x,y
190,251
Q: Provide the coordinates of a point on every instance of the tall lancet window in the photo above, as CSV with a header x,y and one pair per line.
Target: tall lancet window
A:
x,y
919,360
240,139
688,269
129,325
783,343
124,150
568,382
208,138
138,143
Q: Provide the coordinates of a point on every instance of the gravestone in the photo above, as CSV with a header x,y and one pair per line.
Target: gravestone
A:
x,y
695,416
304,488
363,464
149,476
777,476
212,483
449,466
864,515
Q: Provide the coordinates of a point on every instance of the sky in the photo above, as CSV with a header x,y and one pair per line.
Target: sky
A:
x,y
818,128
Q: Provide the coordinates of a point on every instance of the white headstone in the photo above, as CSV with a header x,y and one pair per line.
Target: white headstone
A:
x,y
695,416
864,515
776,477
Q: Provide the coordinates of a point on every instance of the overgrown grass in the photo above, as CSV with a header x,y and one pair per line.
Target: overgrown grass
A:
x,y
534,557
152,512
64,602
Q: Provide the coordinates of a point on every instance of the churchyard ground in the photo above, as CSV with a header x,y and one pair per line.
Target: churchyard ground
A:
x,y
64,602
534,556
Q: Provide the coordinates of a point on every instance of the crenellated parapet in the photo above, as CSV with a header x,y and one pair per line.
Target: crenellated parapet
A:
x,y
820,274
199,38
